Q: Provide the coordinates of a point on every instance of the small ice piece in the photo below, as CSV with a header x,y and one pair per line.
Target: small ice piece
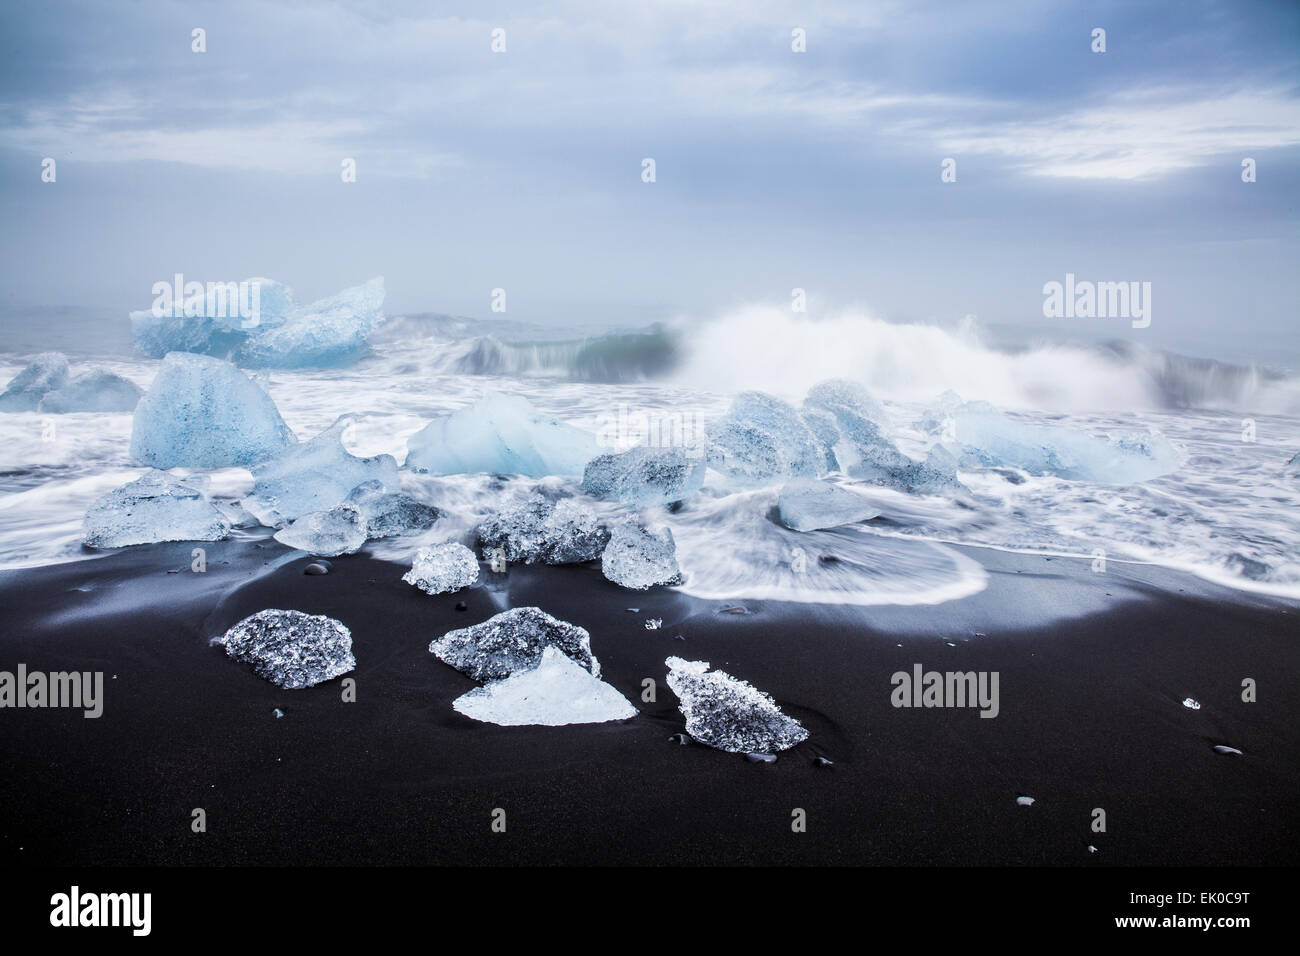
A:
x,y
1225,749
823,762
728,713
760,758
762,439
390,513
512,641
45,373
314,476
1191,703
654,623
278,713
500,434
154,507
556,692
202,412
327,534
443,568
545,532
1024,801
807,504
291,649
327,333
639,558
94,390
644,476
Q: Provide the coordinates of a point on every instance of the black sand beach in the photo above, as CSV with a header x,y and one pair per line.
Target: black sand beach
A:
x,y
1093,669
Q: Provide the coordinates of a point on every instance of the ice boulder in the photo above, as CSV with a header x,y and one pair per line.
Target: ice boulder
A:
x,y
154,507
763,439
500,434
291,649
202,412
214,320
44,373
556,692
328,333
644,476
95,390
327,534
807,504
727,713
389,513
314,476
443,568
513,641
639,558
544,532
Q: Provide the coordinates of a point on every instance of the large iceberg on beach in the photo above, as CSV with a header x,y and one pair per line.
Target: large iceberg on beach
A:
x,y
202,412
500,434
513,641
443,568
291,649
644,476
327,333
544,532
315,475
727,713
809,504
639,558
763,439
155,507
44,373
558,691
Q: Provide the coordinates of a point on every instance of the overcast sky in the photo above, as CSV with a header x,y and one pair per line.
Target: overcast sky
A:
x,y
775,169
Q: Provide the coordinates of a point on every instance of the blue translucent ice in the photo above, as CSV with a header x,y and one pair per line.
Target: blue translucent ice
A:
x,y
155,507
45,373
644,476
763,439
94,390
328,333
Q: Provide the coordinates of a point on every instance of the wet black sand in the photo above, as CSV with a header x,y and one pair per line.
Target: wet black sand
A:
x,y
1090,716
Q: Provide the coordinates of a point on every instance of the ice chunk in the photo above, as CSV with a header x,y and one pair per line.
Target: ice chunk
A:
x,y
541,531
500,434
992,439
512,641
202,412
44,373
216,325
443,568
807,504
557,691
644,476
154,507
390,513
328,333
327,534
639,558
94,390
762,439
314,476
852,406
728,713
291,649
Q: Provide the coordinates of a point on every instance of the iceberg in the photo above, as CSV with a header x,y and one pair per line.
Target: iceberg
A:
x,y
314,476
727,713
214,325
639,558
443,568
762,439
513,641
202,412
95,390
291,649
556,692
328,333
154,507
391,513
544,532
500,434
45,373
808,504
644,476
327,534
